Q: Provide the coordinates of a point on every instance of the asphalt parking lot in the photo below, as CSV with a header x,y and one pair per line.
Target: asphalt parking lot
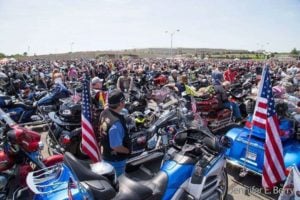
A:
x,y
248,187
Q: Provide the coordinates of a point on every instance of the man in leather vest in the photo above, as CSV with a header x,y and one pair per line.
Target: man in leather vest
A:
x,y
113,132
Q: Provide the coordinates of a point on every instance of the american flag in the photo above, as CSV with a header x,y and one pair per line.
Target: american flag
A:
x,y
193,105
265,117
71,185
194,109
89,144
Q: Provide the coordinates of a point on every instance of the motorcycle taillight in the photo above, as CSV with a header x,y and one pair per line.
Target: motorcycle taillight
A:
x,y
66,139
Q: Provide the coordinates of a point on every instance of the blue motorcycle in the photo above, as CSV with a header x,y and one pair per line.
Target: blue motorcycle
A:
x,y
18,111
58,91
247,150
26,111
194,168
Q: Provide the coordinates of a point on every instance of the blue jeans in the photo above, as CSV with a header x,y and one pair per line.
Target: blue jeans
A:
x,y
234,107
119,166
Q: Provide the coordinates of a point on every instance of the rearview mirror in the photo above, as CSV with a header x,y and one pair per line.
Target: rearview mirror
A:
x,y
226,141
180,138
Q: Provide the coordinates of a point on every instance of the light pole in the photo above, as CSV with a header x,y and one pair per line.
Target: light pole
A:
x,y
266,46
28,50
172,34
71,46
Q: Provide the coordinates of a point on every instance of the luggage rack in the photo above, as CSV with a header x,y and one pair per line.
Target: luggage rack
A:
x,y
50,178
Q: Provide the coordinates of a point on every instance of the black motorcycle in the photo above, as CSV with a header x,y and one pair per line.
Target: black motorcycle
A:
x,y
65,129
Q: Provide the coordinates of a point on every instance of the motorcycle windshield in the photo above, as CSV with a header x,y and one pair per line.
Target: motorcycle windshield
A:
x,y
6,118
164,118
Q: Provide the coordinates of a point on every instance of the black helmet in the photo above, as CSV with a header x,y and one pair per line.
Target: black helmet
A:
x,y
70,112
281,109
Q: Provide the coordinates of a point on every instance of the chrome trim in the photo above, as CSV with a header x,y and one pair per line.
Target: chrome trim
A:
x,y
236,164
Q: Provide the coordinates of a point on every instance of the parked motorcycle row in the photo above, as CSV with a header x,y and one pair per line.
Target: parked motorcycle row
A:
x,y
187,136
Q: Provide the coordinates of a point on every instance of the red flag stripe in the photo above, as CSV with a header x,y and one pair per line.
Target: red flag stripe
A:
x,y
261,116
86,125
259,120
260,125
88,136
90,150
266,182
274,142
89,140
262,105
262,100
271,164
261,110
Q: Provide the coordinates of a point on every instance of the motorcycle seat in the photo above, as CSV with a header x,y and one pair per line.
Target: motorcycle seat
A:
x,y
150,189
81,168
100,189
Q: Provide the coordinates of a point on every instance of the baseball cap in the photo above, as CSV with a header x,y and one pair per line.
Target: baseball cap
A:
x,y
115,97
96,80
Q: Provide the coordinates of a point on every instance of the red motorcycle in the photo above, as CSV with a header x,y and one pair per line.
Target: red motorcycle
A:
x,y
20,153
216,118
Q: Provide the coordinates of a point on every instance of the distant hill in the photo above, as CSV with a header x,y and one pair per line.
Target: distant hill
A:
x,y
140,53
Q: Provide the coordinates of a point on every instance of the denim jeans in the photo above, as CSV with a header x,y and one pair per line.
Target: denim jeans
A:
x,y
119,166
235,108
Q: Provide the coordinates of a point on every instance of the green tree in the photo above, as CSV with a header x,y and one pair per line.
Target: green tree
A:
x,y
2,55
294,51
25,54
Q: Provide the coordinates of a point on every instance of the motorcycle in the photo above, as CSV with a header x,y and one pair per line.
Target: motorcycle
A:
x,y
26,111
247,150
215,118
239,93
194,169
64,132
136,101
22,112
151,143
20,153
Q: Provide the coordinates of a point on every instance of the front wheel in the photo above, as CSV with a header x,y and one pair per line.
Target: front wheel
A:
x,y
223,185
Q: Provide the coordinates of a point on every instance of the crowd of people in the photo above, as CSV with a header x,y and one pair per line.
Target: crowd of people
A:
x,y
180,74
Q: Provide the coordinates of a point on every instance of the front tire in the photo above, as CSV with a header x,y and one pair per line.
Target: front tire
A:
x,y
223,185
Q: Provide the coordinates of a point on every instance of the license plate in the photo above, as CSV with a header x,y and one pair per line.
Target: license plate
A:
x,y
251,155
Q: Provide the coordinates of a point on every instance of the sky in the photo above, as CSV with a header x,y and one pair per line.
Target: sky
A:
x,y
58,26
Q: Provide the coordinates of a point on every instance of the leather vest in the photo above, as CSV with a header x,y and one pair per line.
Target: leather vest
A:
x,y
107,119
